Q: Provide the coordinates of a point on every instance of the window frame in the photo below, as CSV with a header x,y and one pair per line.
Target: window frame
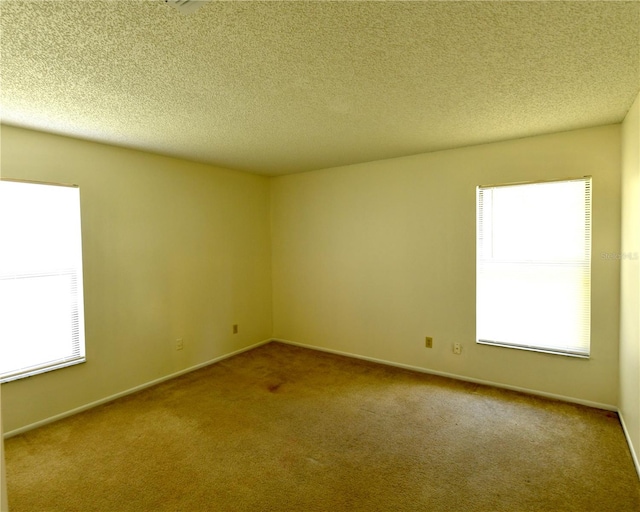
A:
x,y
586,288
77,343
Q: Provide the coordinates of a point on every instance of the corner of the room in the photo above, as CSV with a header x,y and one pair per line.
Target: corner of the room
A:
x,y
629,406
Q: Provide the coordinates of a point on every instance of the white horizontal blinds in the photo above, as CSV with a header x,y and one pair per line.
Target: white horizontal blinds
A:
x,y
534,266
41,300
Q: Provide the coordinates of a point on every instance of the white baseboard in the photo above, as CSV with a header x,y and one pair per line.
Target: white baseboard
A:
x,y
110,398
632,449
544,394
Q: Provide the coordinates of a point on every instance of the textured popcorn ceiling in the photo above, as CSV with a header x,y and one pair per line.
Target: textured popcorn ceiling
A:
x,y
280,87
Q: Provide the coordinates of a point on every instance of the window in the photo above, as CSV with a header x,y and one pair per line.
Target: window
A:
x,y
41,301
533,279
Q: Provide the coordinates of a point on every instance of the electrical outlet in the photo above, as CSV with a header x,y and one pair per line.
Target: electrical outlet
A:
x,y
428,342
235,328
457,348
179,344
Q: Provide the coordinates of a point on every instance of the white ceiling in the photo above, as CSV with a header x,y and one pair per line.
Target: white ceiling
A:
x,y
279,87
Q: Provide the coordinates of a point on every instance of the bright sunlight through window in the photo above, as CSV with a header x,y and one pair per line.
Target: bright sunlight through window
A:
x,y
41,301
533,280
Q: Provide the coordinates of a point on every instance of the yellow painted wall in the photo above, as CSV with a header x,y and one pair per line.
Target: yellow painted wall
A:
x,y
171,249
369,259
630,280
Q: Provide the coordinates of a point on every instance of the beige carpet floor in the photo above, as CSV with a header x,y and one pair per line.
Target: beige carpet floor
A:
x,y
282,428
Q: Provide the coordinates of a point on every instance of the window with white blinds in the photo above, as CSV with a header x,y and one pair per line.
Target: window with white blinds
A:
x,y
41,299
533,271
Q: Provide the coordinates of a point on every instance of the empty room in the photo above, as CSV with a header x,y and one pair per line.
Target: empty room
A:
x,y
319,256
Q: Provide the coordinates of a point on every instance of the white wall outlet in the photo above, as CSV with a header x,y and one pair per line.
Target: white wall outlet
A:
x,y
457,348
179,344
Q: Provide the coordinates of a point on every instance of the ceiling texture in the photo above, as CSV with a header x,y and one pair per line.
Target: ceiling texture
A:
x,y
277,87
